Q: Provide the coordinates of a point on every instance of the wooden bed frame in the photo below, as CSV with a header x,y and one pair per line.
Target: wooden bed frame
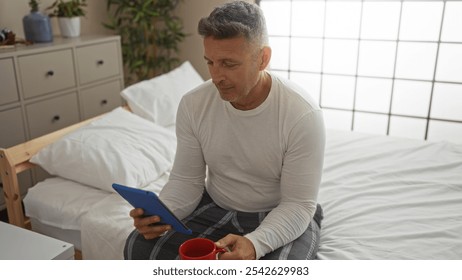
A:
x,y
15,160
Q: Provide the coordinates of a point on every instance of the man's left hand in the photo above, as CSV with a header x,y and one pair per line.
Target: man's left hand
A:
x,y
240,248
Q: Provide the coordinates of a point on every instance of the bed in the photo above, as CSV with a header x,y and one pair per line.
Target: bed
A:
x,y
383,197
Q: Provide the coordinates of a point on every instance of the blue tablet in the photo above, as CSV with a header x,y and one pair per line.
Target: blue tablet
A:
x,y
151,205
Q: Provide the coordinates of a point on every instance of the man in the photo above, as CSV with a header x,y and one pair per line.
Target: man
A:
x,y
259,143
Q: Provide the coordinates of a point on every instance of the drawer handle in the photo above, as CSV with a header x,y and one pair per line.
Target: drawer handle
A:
x,y
100,62
50,73
56,118
103,102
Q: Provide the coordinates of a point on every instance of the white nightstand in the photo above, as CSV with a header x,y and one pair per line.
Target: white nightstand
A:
x,y
21,244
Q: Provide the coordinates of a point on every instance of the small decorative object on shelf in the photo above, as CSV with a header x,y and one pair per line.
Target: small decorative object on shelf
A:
x,y
7,37
68,14
37,27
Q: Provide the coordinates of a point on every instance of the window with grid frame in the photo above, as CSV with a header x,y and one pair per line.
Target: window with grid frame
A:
x,y
383,67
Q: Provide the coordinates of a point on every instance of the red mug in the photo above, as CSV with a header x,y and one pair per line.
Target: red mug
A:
x,y
199,249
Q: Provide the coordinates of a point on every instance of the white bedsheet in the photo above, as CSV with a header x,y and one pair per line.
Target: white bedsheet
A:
x,y
95,221
61,203
388,198
383,198
56,207
107,225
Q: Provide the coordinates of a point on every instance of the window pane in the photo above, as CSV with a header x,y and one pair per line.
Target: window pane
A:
x,y
452,22
411,98
408,127
447,102
421,21
373,95
316,44
280,53
310,82
306,54
308,18
337,91
380,20
416,60
277,15
336,119
449,63
340,56
377,58
342,19
370,123
439,131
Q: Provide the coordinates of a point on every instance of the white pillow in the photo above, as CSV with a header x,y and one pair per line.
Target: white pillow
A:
x,y
119,148
157,99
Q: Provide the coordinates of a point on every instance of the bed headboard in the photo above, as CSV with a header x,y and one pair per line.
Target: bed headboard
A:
x,y
383,67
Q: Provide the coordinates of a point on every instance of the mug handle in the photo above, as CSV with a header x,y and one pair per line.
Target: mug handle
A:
x,y
220,251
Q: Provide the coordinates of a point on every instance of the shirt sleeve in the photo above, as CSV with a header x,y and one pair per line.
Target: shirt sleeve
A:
x,y
185,187
300,180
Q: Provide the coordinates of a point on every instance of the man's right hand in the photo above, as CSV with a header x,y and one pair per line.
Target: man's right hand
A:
x,y
146,225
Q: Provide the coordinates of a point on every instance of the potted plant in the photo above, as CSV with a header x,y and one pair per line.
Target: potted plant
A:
x,y
37,27
68,14
150,34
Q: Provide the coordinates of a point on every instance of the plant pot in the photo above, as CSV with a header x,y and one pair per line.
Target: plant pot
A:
x,y
70,27
37,28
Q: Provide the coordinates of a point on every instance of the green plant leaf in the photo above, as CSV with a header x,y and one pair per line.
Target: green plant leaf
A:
x,y
150,35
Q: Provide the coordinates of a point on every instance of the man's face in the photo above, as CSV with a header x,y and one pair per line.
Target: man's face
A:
x,y
234,66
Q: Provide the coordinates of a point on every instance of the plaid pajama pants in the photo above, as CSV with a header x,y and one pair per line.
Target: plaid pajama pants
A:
x,y
213,222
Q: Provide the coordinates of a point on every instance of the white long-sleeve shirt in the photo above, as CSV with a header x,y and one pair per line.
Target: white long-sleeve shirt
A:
x,y
266,159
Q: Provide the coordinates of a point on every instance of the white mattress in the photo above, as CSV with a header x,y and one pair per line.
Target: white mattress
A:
x,y
383,198
95,221
389,198
56,207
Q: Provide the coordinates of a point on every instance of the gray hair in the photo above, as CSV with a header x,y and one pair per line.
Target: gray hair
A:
x,y
235,19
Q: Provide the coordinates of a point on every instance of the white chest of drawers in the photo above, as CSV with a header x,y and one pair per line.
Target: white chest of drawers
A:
x,y
45,87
